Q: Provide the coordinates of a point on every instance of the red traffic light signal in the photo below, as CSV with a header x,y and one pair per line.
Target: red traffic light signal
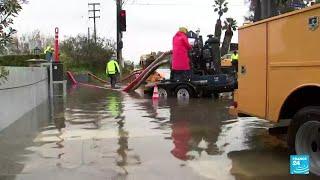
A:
x,y
122,20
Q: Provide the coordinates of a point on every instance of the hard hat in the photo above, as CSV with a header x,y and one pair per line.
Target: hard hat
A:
x,y
183,29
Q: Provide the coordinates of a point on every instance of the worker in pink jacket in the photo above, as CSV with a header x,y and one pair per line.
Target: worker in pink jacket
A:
x,y
180,66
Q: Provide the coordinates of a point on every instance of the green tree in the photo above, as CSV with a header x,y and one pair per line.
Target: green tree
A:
x,y
230,25
81,53
8,10
262,9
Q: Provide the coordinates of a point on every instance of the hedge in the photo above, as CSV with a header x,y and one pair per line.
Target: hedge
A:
x,y
18,60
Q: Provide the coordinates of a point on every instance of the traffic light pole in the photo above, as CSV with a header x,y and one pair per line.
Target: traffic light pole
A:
x,y
119,34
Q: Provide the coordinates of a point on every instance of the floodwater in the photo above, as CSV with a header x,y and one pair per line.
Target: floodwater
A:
x,y
104,134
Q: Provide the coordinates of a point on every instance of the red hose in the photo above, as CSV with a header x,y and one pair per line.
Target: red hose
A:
x,y
71,77
75,82
96,77
93,86
132,74
146,71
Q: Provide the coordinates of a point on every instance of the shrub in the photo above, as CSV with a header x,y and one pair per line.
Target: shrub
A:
x,y
81,53
18,60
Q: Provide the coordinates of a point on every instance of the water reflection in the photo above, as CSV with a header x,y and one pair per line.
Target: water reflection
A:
x,y
124,150
123,144
195,124
260,155
114,104
15,139
99,134
90,107
195,128
215,144
115,108
59,120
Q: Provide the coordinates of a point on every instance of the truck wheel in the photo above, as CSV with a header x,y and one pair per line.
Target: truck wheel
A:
x,y
162,93
304,135
184,92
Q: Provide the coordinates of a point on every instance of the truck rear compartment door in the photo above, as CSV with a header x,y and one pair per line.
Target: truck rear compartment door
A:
x,y
252,95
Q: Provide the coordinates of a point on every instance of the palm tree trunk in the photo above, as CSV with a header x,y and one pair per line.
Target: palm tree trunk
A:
x,y
226,41
216,51
218,30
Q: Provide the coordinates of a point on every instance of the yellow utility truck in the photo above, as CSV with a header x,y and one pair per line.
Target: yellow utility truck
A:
x,y
279,77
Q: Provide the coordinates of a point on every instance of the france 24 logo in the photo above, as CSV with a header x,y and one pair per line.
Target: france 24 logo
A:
x,y
299,164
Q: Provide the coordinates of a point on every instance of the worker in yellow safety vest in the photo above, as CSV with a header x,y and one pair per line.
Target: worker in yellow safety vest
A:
x,y
49,53
234,60
112,70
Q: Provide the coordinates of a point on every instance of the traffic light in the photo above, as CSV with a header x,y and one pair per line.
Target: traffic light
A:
x,y
122,20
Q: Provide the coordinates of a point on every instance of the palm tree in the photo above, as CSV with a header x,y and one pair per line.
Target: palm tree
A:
x,y
230,25
220,6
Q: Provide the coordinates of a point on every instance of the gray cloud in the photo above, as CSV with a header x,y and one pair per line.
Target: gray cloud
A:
x,y
149,28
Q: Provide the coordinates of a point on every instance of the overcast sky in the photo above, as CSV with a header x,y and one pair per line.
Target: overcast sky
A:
x,y
149,27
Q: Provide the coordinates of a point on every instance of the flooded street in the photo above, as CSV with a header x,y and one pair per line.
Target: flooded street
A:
x,y
100,134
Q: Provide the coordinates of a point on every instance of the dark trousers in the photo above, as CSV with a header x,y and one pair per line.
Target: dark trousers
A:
x,y
180,75
49,57
235,65
113,80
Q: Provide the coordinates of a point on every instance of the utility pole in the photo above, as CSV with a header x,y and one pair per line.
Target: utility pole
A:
x,y
119,34
94,17
88,35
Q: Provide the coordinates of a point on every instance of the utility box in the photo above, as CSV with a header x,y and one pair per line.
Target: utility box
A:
x,y
57,71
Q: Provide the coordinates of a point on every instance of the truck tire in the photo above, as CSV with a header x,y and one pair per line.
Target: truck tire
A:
x,y
304,135
163,93
184,92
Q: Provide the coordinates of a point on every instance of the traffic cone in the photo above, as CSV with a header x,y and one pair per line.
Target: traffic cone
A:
x,y
155,92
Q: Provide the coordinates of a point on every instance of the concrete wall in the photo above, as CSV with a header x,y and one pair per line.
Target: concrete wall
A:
x,y
17,136
25,89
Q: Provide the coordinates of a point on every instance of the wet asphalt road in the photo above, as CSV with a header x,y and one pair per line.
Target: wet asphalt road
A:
x,y
100,134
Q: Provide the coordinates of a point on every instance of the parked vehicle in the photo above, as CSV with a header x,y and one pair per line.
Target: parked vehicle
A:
x,y
226,65
279,77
